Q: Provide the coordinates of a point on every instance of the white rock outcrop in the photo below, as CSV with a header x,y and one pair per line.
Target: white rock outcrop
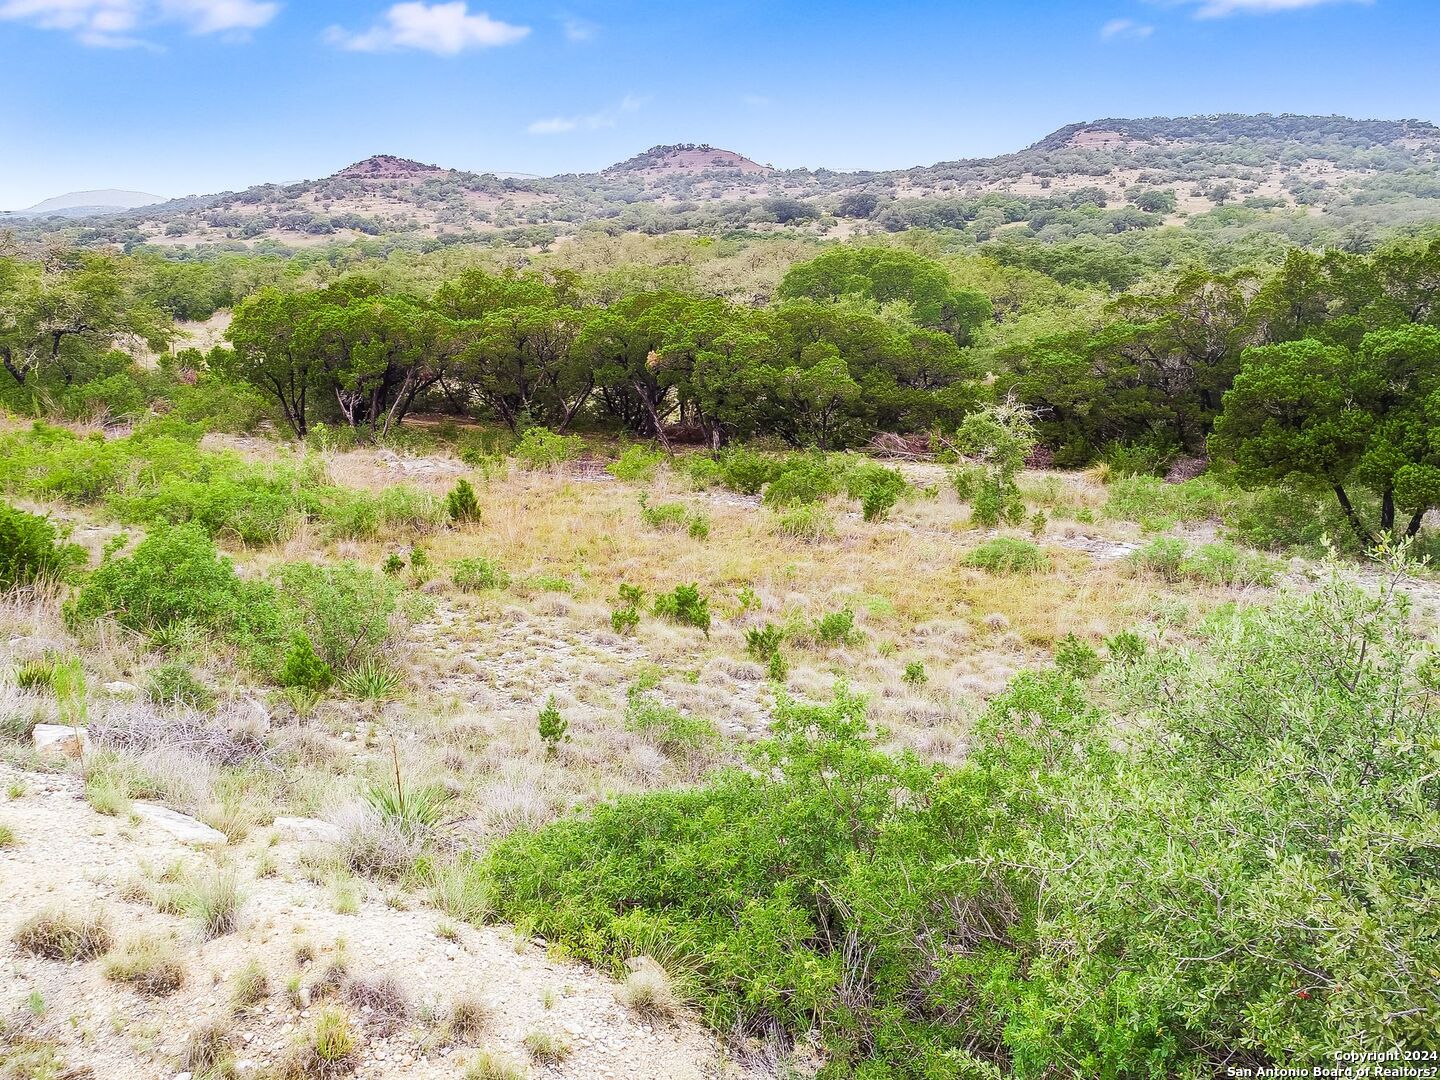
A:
x,y
182,827
60,740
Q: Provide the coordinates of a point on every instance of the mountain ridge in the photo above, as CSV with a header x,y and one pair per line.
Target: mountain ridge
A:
x,y
1177,167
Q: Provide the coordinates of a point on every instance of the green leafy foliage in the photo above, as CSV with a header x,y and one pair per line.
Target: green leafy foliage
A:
x,y
541,448
477,574
1007,555
685,605
1172,559
553,728
33,550
1254,804
462,504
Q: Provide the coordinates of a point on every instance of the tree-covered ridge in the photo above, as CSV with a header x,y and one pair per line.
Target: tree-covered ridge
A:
x,y
1302,178
1231,127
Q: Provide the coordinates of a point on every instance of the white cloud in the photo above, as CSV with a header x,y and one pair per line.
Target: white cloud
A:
x,y
578,30
605,118
1125,30
1219,9
118,23
443,29
755,101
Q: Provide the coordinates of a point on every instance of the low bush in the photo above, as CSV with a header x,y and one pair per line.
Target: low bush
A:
x,y
175,576
675,517
1157,505
685,605
478,574
461,504
803,479
674,732
1172,559
345,609
876,487
1007,556
541,448
637,464
837,628
1167,884
553,728
810,523
33,550
175,683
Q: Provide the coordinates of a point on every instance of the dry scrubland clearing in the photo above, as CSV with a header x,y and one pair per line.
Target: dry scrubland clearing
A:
x,y
334,943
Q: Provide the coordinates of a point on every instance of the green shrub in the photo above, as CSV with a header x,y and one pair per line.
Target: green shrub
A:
x,y
1158,505
33,550
462,504
626,618
1076,658
664,516
304,668
686,606
1149,457
764,642
541,448
1128,893
176,577
745,471
474,575
175,683
637,464
876,487
1173,560
811,523
674,732
915,674
802,479
837,628
553,728
1008,556
344,609
674,517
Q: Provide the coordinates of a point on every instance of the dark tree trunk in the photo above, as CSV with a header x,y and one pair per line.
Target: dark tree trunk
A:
x,y
1355,523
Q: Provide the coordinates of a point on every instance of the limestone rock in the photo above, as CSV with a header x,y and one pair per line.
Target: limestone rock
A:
x,y
306,829
183,828
58,740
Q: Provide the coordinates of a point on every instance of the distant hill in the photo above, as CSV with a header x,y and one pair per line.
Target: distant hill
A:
x,y
89,203
687,158
387,167
1306,179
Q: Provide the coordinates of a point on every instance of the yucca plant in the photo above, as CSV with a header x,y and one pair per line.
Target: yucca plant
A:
x,y
371,680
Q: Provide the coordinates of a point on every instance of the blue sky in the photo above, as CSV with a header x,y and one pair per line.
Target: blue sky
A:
x,y
195,96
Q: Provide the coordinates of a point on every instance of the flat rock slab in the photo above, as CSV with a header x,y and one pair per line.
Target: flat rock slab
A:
x,y
183,828
306,829
59,740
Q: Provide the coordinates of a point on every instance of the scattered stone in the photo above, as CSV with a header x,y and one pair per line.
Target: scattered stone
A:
x,y
121,688
182,827
59,740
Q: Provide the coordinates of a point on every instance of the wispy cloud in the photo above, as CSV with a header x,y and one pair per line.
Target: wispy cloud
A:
x,y
605,118
579,30
1125,30
755,101
122,23
443,29
1219,9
